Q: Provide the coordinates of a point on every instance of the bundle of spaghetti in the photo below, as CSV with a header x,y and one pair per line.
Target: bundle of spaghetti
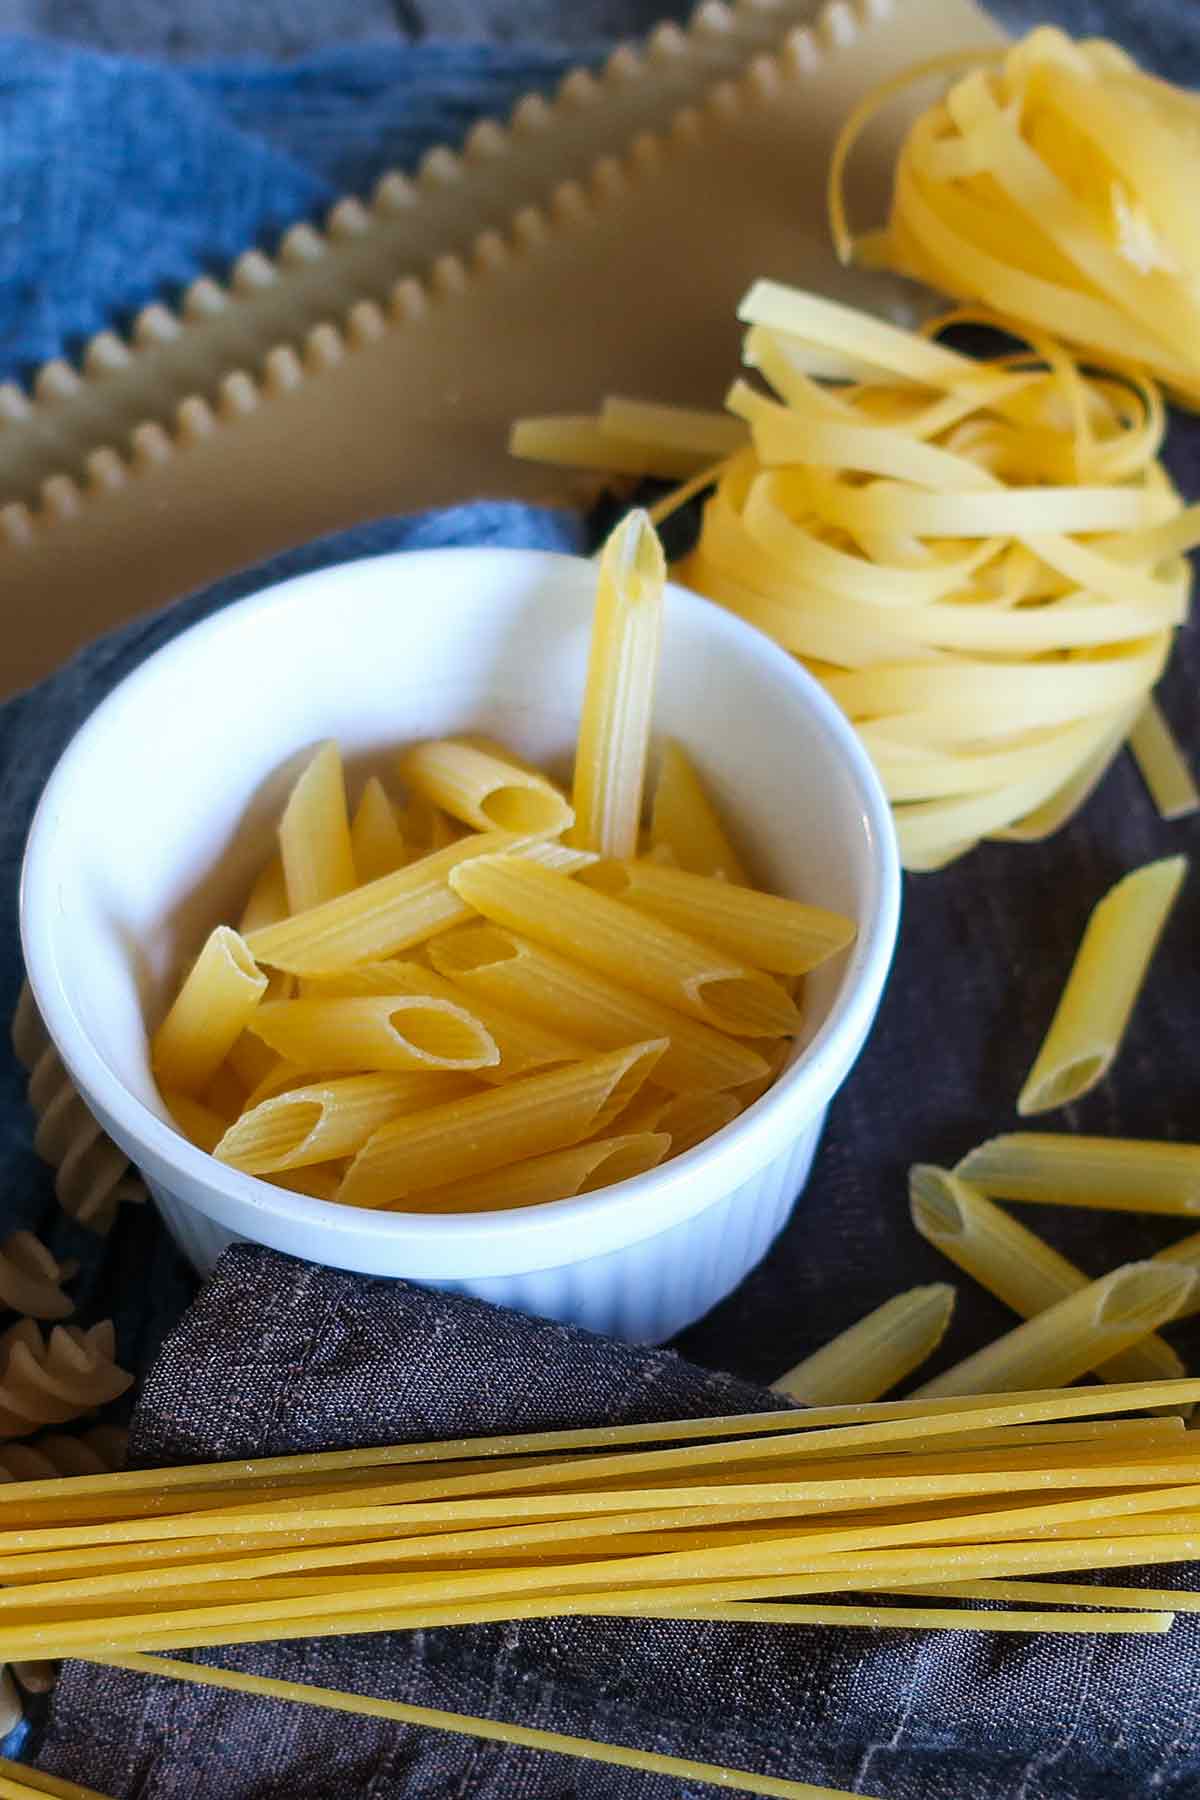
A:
x,y
49,1380
794,1517
981,560
1057,181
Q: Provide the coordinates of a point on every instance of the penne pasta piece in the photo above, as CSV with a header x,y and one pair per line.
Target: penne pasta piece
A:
x,y
579,441
561,859
764,930
1163,766
684,820
875,1354
560,1175
318,1182
427,826
209,1014
1013,1263
376,840
268,901
776,1059
1109,1174
704,434
279,1079
614,730
486,1131
250,1061
378,919
326,1120
1187,1254
490,746
200,1124
483,791
1073,1337
618,941
562,996
225,1094
376,1032
522,1044
1102,988
314,834
688,1119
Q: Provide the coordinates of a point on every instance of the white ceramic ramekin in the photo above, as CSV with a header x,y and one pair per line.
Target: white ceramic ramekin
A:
x,y
164,804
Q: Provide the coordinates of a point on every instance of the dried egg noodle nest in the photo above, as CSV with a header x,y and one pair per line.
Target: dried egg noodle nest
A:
x,y
1057,182
981,561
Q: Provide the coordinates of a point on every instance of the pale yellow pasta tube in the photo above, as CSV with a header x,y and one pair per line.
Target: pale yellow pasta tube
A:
x,y
705,435
1078,1334
684,820
562,996
376,839
209,1014
1163,766
201,1125
314,834
523,1044
376,920
487,1131
618,941
687,1119
319,1181
1187,1254
560,1175
765,930
580,441
1102,988
268,898
376,1032
322,1121
1013,1263
614,730
250,1060
1109,1174
484,791
875,1354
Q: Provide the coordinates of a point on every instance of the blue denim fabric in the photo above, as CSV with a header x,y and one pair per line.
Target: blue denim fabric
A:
x,y
119,182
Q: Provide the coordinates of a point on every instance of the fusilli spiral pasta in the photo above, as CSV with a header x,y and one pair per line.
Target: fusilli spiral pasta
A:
x,y
48,1380
31,1278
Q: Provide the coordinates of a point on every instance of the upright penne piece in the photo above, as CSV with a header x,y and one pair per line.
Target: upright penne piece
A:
x,y
1108,1174
268,902
1102,988
487,1131
200,1124
1013,1263
684,819
325,1120
560,1175
1187,1254
314,834
618,941
614,730
765,930
1079,1334
1162,764
874,1355
376,1032
523,1044
484,791
376,839
212,1009
687,1119
376,920
563,997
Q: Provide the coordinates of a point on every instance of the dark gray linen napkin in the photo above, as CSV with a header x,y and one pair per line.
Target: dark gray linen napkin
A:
x,y
277,1355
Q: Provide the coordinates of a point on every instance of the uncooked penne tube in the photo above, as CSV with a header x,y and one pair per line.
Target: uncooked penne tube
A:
x,y
684,820
483,791
765,930
614,730
314,834
378,919
563,996
376,839
1187,1254
1013,1263
487,1131
618,941
209,1014
1079,1334
200,1124
268,898
523,1044
1102,988
376,1031
324,1120
687,1119
1163,766
875,1354
560,1175
1109,1174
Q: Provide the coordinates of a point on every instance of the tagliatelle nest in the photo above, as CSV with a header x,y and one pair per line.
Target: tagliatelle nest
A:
x,y
1058,184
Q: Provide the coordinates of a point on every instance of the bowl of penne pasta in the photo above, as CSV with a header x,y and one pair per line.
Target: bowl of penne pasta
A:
x,y
495,919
